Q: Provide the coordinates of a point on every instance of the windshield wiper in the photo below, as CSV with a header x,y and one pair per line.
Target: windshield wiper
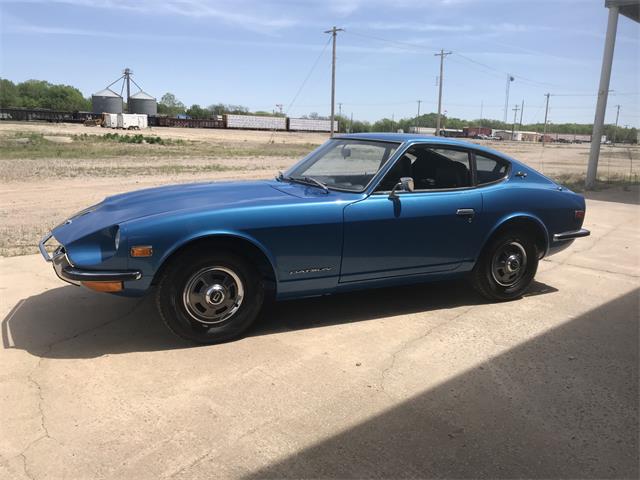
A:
x,y
308,181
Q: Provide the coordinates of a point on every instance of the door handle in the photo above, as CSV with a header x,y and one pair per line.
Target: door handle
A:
x,y
466,212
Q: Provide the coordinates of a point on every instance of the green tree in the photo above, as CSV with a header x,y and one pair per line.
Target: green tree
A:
x,y
196,111
384,125
170,105
41,94
9,96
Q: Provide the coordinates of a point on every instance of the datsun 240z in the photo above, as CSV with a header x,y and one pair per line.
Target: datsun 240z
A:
x,y
361,211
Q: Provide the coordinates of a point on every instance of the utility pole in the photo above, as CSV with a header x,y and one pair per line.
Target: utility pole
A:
x,y
279,107
418,115
521,112
546,113
442,54
481,108
615,130
515,115
334,33
340,109
510,79
351,124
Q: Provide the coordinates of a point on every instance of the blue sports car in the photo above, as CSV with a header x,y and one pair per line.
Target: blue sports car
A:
x,y
361,211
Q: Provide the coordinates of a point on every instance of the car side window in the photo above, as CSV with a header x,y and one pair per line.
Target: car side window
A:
x,y
489,170
432,168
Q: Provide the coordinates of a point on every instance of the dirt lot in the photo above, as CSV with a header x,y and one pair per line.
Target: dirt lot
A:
x,y
420,382
49,171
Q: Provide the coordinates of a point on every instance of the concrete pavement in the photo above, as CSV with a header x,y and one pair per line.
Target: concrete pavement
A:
x,y
423,381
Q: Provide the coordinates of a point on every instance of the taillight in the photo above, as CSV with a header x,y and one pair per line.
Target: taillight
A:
x,y
579,215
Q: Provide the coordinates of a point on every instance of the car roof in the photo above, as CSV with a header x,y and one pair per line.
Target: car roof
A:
x,y
418,138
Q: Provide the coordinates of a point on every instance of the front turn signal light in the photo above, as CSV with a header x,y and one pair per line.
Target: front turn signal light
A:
x,y
141,251
103,286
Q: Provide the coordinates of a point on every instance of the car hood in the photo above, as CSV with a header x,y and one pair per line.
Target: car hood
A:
x,y
125,207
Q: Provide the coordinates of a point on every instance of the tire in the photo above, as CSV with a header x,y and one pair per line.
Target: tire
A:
x,y
506,267
209,297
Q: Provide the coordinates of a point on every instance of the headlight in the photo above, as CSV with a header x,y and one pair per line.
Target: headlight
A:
x,y
117,239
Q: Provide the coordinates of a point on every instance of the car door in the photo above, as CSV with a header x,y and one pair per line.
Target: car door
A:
x,y
432,229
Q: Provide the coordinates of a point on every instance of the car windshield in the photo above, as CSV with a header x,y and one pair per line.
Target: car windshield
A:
x,y
343,164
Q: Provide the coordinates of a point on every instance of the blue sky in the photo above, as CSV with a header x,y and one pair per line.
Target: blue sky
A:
x,y
259,53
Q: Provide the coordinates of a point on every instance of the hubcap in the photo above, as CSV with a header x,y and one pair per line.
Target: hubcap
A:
x,y
509,264
215,294
212,295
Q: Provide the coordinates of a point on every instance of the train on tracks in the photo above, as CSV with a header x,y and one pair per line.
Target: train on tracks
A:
x,y
231,121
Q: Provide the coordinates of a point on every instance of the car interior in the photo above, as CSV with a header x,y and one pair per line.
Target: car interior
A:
x,y
429,169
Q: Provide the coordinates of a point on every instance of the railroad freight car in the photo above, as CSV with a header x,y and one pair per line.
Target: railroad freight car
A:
x,y
44,115
310,125
186,122
254,122
476,131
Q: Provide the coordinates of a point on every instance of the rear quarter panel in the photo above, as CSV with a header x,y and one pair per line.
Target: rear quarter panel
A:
x,y
541,201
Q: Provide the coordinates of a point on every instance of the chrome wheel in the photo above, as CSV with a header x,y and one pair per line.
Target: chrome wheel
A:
x,y
213,295
509,264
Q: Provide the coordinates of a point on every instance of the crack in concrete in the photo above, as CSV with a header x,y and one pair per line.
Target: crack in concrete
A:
x,y
24,466
33,381
412,341
200,458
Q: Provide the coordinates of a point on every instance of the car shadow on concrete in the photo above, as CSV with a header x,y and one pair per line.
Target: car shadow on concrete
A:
x,y
372,304
71,322
561,405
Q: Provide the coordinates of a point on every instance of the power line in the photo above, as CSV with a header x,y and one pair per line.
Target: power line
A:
x,y
304,82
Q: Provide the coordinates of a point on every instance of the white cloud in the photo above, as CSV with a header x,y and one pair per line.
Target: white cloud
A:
x,y
414,27
249,16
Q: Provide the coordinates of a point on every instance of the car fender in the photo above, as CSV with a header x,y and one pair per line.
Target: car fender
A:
x,y
212,234
514,216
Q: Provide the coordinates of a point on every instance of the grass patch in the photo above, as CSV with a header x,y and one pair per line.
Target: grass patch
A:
x,y
137,138
137,171
29,146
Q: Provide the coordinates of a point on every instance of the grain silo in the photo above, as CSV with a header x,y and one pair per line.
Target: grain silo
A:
x,y
106,101
142,102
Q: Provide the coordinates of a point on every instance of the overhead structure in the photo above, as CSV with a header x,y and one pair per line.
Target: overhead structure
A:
x,y
140,102
630,9
106,101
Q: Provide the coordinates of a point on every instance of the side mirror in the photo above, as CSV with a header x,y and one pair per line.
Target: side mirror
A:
x,y
405,185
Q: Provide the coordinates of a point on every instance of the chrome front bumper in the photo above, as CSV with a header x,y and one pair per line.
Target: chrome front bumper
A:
x,y
559,237
66,271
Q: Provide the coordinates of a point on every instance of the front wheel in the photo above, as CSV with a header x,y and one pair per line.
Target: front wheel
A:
x,y
506,266
209,297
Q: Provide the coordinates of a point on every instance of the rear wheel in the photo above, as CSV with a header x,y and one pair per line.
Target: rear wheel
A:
x,y
209,297
507,266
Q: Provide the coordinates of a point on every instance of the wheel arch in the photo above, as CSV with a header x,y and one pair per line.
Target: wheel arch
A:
x,y
526,222
236,243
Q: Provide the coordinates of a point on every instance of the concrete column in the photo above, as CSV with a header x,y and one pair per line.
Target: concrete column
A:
x,y
603,93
